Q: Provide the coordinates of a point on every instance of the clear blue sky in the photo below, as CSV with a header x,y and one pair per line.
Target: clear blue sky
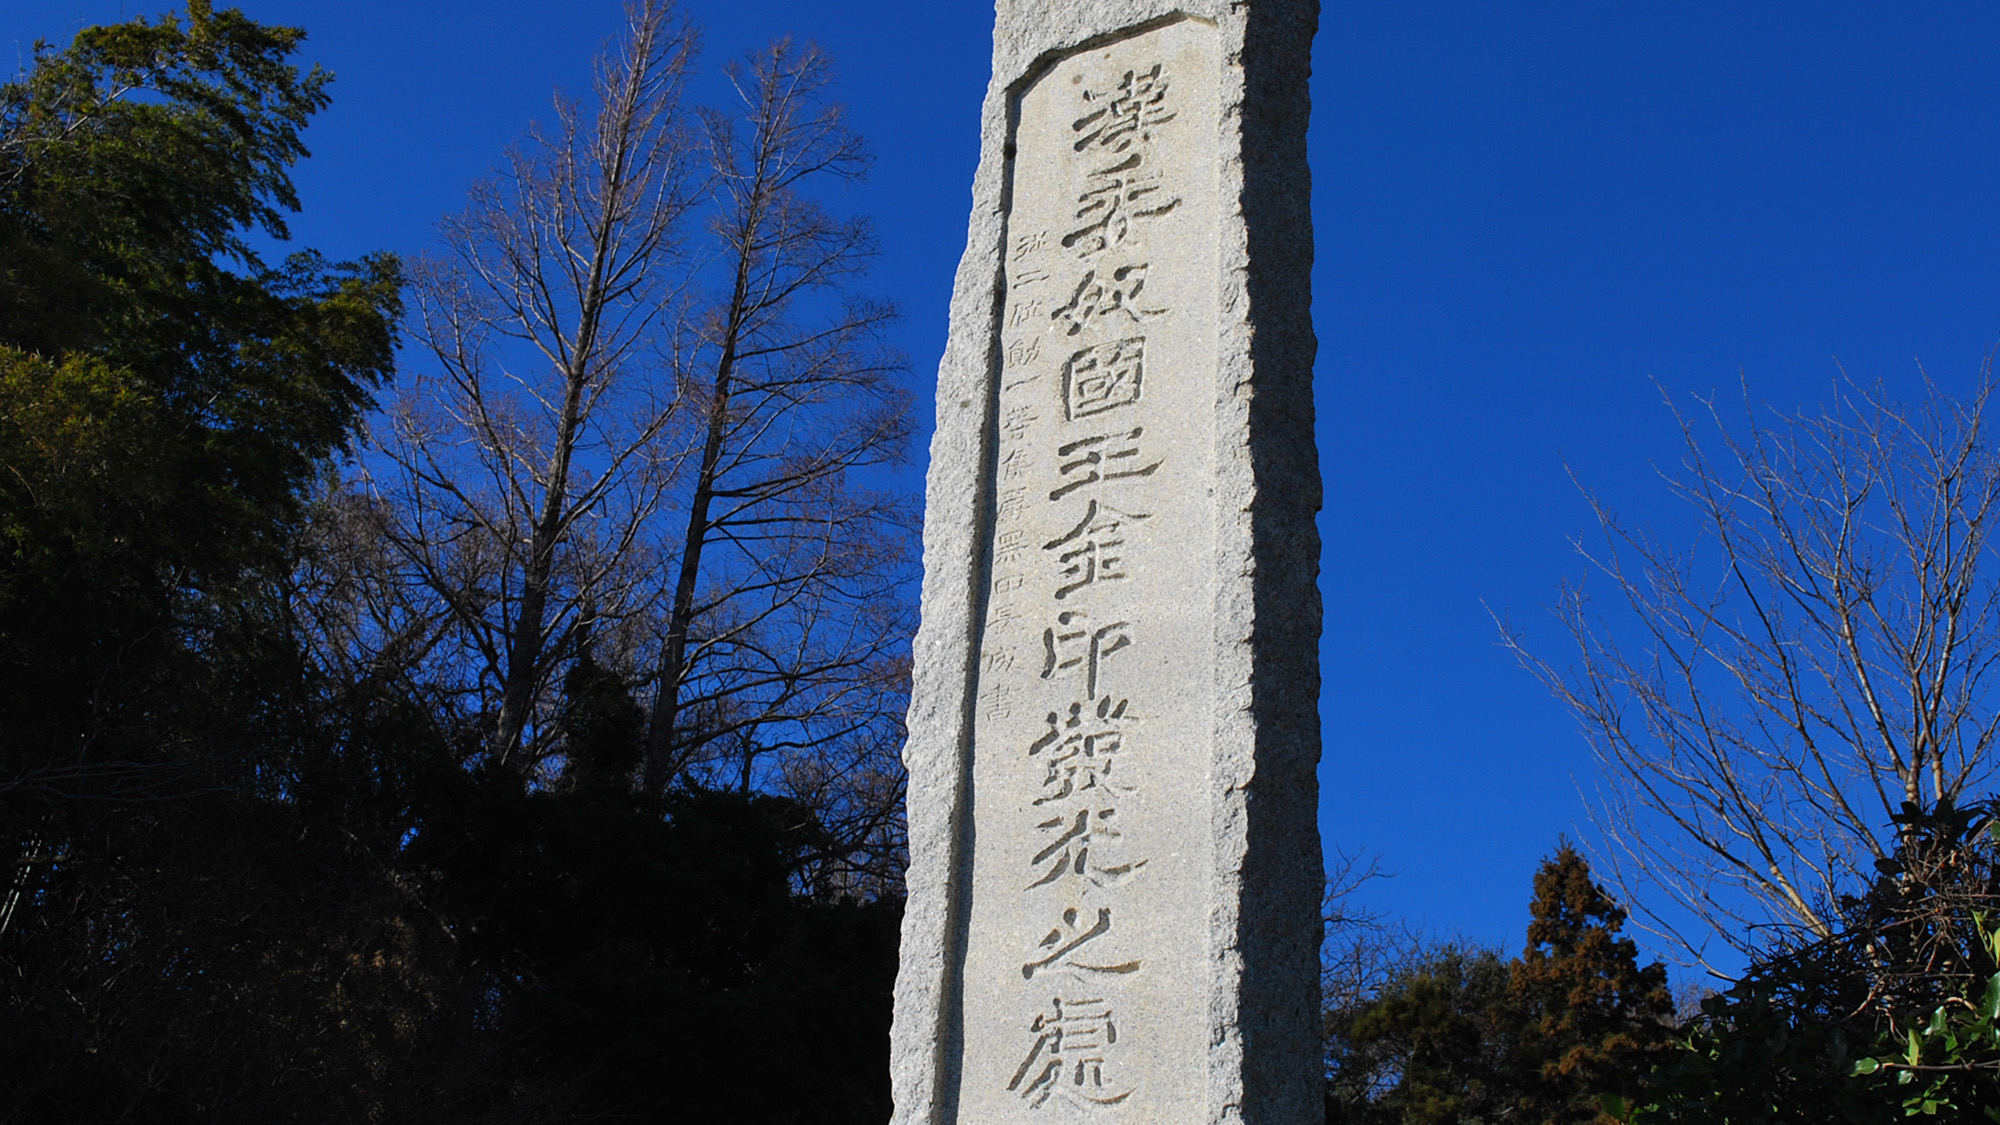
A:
x,y
1525,215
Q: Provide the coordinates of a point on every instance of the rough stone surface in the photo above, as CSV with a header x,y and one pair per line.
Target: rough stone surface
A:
x,y
1115,863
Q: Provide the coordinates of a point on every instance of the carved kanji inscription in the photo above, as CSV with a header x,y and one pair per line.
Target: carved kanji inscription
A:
x,y
1104,377
1087,757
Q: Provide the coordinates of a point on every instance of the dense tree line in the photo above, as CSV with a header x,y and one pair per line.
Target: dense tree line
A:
x,y
1451,1033
1897,1014
324,794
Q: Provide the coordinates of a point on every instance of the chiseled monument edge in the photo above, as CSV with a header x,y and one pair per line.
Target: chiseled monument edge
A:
x,y
1264,1055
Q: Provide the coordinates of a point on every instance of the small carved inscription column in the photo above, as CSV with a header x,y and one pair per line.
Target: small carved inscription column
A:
x,y
1114,854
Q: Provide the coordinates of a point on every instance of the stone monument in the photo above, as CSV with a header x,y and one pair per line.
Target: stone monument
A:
x,y
1114,856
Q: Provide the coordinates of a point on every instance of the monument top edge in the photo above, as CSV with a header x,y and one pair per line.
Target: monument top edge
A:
x,y
1027,32
1120,12
1104,13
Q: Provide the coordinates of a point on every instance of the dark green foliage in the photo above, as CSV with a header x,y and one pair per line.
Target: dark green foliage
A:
x,y
186,950
1747,1061
1427,1049
601,726
661,967
1897,1014
162,415
135,163
1920,935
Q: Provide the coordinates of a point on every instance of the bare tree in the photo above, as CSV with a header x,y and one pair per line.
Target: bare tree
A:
x,y
525,470
1819,663
1361,949
658,423
786,622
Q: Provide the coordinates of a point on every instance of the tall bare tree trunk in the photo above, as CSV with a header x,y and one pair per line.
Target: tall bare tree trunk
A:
x,y
778,247
659,764
525,666
560,264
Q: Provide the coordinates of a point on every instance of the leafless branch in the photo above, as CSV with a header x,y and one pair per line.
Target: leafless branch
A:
x,y
1762,704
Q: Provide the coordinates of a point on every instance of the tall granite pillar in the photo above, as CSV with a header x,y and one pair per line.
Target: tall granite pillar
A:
x,y
1114,860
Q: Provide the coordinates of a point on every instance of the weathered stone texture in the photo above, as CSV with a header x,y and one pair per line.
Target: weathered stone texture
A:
x,y
1114,855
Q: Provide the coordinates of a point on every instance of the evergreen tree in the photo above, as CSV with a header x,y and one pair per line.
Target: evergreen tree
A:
x,y
601,725
193,921
1426,1051
167,400
1586,1019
